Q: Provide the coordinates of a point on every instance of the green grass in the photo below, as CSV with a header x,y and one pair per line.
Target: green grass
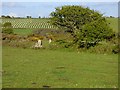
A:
x,y
29,68
23,31
113,23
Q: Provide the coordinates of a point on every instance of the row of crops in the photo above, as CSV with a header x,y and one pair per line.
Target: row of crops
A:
x,y
29,23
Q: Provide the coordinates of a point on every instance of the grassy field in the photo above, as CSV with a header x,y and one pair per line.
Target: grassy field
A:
x,y
23,31
113,23
61,68
29,68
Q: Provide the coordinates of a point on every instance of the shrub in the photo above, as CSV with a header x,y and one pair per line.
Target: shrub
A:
x,y
116,49
7,28
103,48
35,37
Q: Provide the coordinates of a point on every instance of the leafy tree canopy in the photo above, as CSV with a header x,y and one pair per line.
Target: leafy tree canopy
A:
x,y
85,25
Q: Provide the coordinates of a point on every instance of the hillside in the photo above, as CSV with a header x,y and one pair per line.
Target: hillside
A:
x,y
43,23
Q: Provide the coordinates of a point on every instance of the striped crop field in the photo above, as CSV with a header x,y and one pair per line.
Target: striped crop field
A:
x,y
44,23
29,23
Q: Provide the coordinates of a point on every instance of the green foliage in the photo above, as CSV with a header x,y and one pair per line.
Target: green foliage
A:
x,y
7,28
101,49
60,41
116,49
71,17
7,24
85,25
94,32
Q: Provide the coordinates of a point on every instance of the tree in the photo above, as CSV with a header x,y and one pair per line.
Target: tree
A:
x,y
85,25
29,16
8,16
111,16
39,17
7,28
3,16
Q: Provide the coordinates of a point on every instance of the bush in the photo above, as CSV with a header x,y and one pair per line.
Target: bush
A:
x,y
7,28
9,36
35,37
22,43
101,49
116,49
61,41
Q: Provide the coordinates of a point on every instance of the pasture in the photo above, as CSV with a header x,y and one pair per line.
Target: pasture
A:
x,y
23,31
55,68
29,68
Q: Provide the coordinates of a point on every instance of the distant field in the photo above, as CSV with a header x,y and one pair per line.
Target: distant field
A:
x,y
43,23
26,26
28,68
29,23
